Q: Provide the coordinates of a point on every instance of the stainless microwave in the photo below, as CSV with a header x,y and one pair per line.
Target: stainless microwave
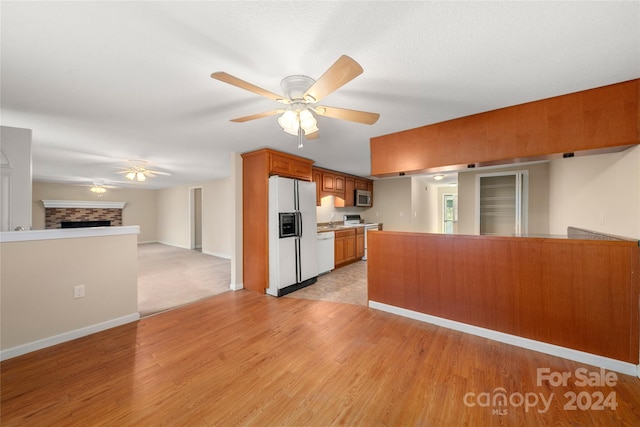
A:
x,y
363,198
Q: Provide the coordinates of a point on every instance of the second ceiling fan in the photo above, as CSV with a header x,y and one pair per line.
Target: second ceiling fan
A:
x,y
301,95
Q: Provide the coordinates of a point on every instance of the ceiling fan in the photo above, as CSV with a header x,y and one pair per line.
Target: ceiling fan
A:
x,y
138,170
301,94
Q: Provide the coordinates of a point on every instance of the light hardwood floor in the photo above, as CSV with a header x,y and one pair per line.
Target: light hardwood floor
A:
x,y
240,358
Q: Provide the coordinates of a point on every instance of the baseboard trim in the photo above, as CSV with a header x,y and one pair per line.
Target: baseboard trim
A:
x,y
236,286
66,336
217,255
539,346
173,245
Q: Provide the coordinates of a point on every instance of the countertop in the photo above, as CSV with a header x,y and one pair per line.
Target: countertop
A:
x,y
66,233
322,228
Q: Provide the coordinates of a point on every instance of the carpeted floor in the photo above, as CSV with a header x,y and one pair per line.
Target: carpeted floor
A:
x,y
169,277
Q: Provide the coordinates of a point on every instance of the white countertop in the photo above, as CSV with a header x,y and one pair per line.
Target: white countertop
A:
x,y
66,233
336,227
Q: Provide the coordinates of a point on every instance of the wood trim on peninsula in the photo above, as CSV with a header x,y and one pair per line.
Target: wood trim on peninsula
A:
x,y
605,119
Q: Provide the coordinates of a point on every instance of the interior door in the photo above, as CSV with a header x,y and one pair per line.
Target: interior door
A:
x,y
448,213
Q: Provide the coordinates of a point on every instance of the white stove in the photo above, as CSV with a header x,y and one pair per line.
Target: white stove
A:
x,y
351,219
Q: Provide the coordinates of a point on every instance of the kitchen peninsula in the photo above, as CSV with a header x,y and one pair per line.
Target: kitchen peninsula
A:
x,y
568,296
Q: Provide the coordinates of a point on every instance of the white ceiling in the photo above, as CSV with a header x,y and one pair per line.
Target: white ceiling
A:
x,y
103,82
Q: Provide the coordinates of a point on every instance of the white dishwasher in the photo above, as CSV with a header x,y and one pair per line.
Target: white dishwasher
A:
x,y
326,260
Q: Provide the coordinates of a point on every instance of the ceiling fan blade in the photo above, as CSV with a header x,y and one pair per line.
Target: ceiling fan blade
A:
x,y
350,115
340,73
228,78
314,135
257,116
151,173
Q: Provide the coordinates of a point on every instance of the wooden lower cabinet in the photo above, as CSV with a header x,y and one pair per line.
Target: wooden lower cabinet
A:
x,y
349,246
359,242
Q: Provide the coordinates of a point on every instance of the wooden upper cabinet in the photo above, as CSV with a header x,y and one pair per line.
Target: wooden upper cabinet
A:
x,y
340,185
604,119
349,190
328,182
362,184
317,178
290,166
333,183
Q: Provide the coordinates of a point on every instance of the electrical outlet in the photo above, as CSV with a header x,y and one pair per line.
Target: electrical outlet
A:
x,y
78,291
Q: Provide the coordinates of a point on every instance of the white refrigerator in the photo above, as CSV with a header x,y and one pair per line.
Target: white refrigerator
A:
x,y
293,246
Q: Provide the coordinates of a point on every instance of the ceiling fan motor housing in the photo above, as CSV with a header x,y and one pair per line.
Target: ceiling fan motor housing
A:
x,y
294,87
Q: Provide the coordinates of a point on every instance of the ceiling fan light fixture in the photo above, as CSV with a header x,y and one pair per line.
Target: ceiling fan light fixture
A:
x,y
307,121
140,176
311,130
289,122
301,93
131,175
98,189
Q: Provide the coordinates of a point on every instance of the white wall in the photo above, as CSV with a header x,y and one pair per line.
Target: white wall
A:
x,y
407,204
37,280
218,217
15,144
392,204
424,206
600,193
323,212
175,216
236,222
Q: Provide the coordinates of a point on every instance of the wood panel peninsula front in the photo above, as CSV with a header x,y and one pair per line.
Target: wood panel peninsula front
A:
x,y
576,294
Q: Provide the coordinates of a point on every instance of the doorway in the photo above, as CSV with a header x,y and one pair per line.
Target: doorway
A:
x,y
449,212
195,196
502,203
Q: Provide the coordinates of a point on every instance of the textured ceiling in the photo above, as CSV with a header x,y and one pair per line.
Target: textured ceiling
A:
x,y
103,82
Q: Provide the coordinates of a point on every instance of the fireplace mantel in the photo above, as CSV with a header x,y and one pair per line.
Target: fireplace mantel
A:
x,y
82,204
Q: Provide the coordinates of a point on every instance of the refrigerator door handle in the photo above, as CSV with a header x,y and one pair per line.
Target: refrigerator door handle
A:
x,y
298,263
298,224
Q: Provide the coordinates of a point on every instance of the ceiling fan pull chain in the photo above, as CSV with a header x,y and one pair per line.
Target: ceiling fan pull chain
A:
x,y
300,137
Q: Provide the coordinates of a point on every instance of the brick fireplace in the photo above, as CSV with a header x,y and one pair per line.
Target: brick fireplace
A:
x,y
81,212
